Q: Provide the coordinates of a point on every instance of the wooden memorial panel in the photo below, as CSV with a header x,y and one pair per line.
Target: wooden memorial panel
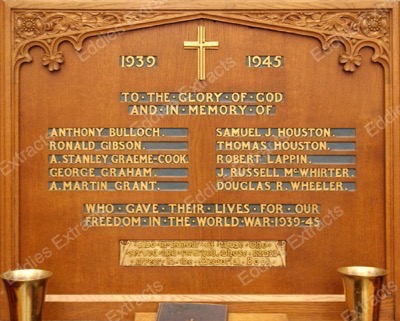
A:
x,y
203,152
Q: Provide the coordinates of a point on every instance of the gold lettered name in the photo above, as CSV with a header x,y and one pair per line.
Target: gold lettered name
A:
x,y
103,132
276,132
91,145
260,159
283,186
286,146
119,159
100,172
285,172
76,186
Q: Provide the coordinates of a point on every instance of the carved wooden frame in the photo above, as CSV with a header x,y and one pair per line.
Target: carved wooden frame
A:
x,y
355,30
355,24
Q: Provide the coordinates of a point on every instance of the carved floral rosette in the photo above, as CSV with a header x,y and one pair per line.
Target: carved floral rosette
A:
x,y
355,30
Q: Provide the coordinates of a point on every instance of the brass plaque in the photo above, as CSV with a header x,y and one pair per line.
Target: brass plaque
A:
x,y
203,253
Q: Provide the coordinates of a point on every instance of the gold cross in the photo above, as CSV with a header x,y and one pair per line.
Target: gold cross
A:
x,y
201,45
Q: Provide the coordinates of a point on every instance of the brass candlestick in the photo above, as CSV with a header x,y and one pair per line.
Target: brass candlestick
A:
x,y
26,290
361,284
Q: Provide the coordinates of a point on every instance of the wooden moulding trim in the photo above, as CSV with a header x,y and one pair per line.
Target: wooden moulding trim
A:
x,y
193,298
202,4
8,227
396,154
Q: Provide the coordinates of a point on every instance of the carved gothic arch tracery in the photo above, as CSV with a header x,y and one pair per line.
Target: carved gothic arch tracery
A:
x,y
355,30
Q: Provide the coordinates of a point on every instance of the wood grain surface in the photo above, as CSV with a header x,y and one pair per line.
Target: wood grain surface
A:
x,y
85,93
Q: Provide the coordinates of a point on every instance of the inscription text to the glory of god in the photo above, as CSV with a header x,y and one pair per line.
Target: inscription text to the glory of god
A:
x,y
222,103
